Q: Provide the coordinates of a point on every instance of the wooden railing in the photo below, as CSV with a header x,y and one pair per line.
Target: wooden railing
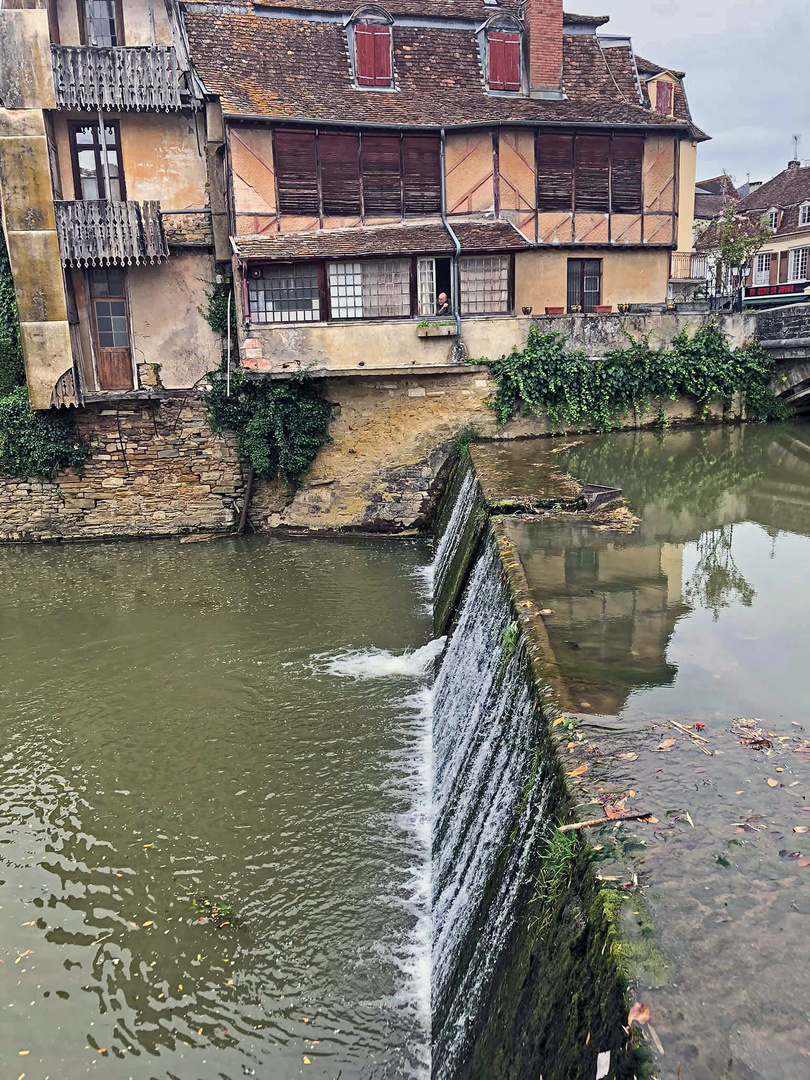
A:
x,y
100,233
127,78
687,267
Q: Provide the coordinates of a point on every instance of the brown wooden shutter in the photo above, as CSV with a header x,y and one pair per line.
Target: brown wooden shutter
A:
x,y
372,48
382,176
297,172
773,278
421,168
382,55
555,172
663,97
627,159
592,174
783,266
504,60
340,173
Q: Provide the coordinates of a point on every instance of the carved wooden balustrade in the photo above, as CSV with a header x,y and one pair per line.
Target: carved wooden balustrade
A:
x,y
98,233
123,78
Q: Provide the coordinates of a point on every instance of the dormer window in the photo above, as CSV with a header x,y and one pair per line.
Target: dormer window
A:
x,y
371,33
664,93
804,214
773,219
503,54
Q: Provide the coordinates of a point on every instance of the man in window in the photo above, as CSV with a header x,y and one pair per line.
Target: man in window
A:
x,y
443,304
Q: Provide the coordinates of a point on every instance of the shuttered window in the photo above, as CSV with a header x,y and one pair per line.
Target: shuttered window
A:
x,y
584,284
592,174
555,172
663,98
504,60
382,175
421,167
297,172
340,173
627,160
372,52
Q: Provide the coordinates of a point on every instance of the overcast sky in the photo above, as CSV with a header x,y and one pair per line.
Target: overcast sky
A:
x,y
747,64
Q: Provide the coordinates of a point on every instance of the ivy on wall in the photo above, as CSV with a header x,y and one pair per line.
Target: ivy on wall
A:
x,y
280,424
576,391
33,443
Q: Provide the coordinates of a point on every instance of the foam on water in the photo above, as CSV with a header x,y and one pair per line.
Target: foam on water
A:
x,y
382,664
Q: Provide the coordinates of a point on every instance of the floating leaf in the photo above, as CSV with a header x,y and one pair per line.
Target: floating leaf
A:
x,y
801,828
638,1012
772,782
667,744
306,1060
580,771
558,721
804,861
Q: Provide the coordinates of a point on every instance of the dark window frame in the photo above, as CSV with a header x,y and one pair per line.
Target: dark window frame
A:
x,y
84,37
587,309
74,126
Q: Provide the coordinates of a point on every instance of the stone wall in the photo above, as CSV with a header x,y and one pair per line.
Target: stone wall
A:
x,y
157,470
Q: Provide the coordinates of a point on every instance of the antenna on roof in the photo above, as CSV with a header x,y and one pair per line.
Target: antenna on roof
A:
x,y
796,140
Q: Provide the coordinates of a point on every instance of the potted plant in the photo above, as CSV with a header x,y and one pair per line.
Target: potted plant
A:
x,y
623,308
671,305
603,309
576,309
527,310
428,329
555,311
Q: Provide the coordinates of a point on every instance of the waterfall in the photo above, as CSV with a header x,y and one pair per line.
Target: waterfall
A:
x,y
453,534
486,807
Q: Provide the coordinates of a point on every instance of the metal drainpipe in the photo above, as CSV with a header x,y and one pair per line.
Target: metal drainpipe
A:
x,y
454,238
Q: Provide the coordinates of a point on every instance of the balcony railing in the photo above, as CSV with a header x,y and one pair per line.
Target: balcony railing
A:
x,y
98,233
122,78
687,267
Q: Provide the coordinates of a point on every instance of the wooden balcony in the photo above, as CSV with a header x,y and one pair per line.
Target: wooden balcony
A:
x,y
99,233
122,78
687,267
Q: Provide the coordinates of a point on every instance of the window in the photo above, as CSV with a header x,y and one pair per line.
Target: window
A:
x,y
284,294
113,355
762,269
350,174
90,171
804,214
370,290
773,219
584,284
590,170
798,264
434,276
664,97
503,52
484,284
102,23
372,54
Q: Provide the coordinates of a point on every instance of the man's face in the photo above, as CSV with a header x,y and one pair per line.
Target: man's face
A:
x,y
442,297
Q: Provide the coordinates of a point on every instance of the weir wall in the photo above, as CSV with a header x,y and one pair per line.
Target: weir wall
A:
x,y
157,470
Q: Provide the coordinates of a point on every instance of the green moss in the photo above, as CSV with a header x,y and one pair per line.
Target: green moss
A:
x,y
630,932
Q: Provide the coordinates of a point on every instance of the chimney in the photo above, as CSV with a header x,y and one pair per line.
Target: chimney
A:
x,y
544,21
795,164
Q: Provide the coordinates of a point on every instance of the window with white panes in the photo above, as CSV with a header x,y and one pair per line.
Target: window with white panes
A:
x,y
798,264
804,214
773,219
484,284
378,289
284,294
762,269
427,286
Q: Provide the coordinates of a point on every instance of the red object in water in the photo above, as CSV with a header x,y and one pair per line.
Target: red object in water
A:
x,y
700,726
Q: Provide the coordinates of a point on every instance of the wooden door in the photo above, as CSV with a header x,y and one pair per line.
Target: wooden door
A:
x,y
111,328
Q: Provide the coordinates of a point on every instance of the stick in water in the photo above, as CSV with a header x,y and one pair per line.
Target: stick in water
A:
x,y
602,821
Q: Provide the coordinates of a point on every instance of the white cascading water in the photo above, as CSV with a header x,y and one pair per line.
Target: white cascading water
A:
x,y
451,537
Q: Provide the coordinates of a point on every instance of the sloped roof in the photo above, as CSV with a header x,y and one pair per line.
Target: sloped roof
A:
x,y
648,67
420,239
789,188
709,206
262,66
719,185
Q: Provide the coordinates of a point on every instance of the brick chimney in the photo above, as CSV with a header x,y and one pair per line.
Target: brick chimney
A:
x,y
544,21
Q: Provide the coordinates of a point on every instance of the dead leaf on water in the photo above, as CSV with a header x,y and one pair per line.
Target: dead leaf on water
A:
x,y
638,1012
801,828
306,1060
804,861
580,771
558,721
772,782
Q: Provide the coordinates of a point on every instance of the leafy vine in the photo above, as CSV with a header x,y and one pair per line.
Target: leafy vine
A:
x,y
575,390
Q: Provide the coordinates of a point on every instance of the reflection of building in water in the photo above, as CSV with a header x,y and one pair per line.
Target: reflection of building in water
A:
x,y
614,603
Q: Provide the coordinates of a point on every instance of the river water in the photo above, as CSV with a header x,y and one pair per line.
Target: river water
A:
x,y
176,734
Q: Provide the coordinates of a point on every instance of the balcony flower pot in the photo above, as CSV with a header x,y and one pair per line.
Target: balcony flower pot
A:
x,y
603,309
438,329
555,311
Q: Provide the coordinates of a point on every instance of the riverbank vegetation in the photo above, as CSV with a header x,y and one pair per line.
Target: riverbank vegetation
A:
x,y
33,443
574,390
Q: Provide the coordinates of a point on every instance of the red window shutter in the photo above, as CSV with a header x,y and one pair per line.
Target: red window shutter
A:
x,y
421,167
663,98
297,172
382,176
627,157
372,46
592,174
555,172
340,173
504,60
783,266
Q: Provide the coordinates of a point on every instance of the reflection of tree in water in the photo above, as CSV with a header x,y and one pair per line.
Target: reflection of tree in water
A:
x,y
716,580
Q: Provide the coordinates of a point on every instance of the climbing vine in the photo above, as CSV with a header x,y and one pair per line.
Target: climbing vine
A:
x,y
280,424
576,391
33,443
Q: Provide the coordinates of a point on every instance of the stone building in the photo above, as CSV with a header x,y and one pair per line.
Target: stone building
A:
x,y
387,186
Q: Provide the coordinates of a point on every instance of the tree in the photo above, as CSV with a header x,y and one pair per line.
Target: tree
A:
x,y
739,240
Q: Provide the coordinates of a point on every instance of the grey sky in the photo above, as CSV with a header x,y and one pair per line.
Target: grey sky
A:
x,y
747,66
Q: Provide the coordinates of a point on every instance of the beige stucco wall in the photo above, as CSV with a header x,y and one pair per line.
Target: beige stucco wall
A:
x,y
687,176
166,304
628,277
163,158
137,24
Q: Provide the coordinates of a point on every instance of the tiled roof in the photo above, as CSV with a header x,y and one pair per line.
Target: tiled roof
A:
x,y
438,9
264,67
789,188
425,239
719,185
647,67
709,206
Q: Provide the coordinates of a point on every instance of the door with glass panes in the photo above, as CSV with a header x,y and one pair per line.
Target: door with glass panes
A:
x,y
584,284
111,328
434,277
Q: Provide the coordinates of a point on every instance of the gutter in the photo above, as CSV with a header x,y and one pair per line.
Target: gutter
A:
x,y
455,240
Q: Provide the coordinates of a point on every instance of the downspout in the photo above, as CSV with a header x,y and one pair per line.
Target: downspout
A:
x,y
456,244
